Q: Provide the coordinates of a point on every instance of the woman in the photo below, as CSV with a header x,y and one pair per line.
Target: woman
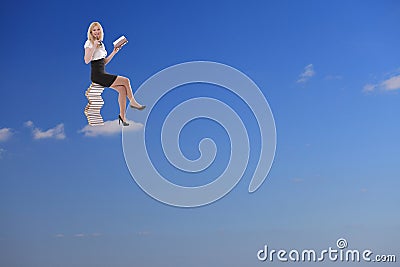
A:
x,y
95,53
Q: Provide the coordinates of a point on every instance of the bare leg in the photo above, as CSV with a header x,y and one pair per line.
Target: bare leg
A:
x,y
121,99
123,81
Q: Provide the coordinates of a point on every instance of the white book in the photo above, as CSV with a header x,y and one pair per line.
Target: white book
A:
x,y
95,91
120,41
95,85
95,99
93,94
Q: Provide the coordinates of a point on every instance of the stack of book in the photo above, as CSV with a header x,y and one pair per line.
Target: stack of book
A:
x,y
92,109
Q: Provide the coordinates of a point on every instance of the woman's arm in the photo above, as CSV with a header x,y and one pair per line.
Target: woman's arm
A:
x,y
108,59
89,53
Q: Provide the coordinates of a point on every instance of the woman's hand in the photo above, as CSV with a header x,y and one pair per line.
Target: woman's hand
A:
x,y
116,49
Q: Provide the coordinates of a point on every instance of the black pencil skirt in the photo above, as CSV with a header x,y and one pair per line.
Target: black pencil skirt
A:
x,y
98,74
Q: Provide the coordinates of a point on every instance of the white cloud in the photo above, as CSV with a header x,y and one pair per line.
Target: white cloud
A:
x,y
5,134
56,132
307,74
79,235
392,83
109,128
28,124
369,88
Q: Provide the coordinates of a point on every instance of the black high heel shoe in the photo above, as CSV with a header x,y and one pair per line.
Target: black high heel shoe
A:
x,y
124,123
138,108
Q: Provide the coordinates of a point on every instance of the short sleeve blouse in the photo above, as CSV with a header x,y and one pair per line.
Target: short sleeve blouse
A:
x,y
99,52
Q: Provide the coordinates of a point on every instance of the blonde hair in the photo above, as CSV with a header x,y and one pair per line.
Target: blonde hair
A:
x,y
89,32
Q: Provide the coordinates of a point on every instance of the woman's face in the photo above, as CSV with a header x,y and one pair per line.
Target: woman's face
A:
x,y
96,32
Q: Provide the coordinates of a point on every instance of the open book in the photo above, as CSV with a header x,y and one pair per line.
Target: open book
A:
x,y
120,41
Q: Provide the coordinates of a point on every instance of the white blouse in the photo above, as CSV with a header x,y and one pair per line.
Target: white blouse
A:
x,y
99,52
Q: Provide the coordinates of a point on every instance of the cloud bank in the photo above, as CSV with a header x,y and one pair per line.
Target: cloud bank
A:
x,y
109,128
54,133
306,74
5,134
390,84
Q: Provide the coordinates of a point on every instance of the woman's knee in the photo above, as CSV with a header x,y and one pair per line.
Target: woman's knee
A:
x,y
127,82
123,81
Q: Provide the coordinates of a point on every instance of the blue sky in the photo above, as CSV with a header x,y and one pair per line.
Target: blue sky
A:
x,y
331,74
